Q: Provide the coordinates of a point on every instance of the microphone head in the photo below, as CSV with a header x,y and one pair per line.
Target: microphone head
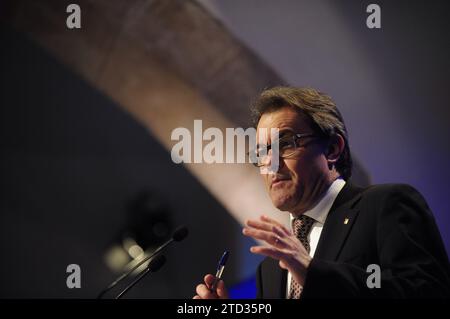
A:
x,y
180,233
156,263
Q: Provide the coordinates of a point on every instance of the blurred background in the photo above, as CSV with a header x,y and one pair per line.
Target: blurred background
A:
x,y
87,115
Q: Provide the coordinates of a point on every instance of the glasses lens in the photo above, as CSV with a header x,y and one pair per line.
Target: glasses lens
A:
x,y
286,146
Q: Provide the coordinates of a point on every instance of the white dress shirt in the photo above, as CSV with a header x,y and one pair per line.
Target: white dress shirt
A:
x,y
319,213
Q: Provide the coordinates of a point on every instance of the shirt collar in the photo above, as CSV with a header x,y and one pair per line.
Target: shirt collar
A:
x,y
320,211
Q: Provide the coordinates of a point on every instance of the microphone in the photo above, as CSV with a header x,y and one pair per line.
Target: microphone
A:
x,y
154,265
178,235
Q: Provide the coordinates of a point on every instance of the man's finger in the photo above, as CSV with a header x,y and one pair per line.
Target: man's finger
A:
x,y
204,292
259,224
221,290
267,219
209,279
271,252
282,264
268,237
281,230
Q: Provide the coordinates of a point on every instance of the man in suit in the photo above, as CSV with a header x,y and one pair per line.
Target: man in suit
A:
x,y
339,231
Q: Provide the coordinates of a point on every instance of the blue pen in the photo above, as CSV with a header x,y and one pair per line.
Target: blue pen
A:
x,y
220,269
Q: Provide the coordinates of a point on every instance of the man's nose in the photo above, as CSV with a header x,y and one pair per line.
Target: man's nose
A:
x,y
275,159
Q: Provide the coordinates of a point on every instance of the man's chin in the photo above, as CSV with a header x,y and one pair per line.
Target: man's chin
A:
x,y
283,204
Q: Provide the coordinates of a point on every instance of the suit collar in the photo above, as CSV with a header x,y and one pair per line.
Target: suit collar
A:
x,y
348,195
320,211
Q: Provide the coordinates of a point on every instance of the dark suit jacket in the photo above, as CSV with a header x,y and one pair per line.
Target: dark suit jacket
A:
x,y
389,225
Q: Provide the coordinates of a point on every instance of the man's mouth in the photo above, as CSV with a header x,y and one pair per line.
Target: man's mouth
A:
x,y
278,180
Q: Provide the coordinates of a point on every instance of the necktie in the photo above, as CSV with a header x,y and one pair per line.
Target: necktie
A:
x,y
301,226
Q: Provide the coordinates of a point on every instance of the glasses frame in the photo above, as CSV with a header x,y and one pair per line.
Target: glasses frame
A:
x,y
296,137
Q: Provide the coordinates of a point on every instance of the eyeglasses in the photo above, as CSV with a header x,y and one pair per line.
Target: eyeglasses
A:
x,y
287,146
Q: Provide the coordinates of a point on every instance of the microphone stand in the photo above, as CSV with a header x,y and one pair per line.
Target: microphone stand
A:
x,y
154,266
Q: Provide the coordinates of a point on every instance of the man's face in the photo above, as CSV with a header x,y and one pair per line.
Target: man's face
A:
x,y
301,178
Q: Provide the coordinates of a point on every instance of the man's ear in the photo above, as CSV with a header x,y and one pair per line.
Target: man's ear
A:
x,y
335,148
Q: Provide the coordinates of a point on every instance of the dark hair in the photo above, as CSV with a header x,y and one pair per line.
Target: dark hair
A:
x,y
317,106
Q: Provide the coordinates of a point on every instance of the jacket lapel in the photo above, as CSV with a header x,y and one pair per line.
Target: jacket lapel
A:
x,y
339,222
275,282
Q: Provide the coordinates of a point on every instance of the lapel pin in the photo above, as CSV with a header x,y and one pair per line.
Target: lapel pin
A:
x,y
346,221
